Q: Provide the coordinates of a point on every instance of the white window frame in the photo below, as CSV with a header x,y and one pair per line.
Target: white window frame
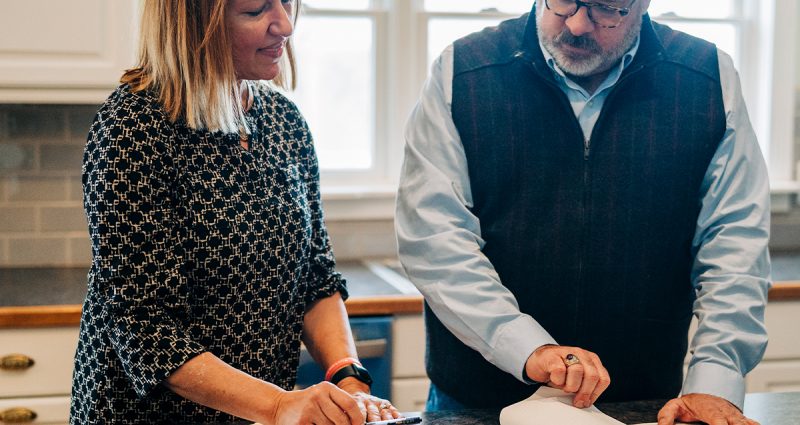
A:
x,y
401,68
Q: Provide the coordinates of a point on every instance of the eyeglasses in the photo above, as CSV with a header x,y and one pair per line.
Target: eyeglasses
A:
x,y
602,14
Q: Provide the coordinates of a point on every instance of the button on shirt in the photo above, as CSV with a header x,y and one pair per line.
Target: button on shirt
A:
x,y
440,239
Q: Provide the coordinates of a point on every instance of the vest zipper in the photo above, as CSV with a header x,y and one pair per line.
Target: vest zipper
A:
x,y
578,322
577,128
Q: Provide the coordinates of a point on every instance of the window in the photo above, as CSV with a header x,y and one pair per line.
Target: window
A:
x,y
362,64
750,31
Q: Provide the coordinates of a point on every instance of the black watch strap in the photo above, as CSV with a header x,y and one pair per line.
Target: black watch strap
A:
x,y
354,370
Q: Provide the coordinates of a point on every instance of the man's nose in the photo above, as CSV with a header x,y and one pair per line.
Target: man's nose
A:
x,y
580,23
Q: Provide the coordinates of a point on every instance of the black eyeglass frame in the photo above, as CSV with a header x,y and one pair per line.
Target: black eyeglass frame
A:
x,y
623,11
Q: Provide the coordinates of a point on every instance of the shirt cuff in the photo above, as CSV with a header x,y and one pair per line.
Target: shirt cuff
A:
x,y
516,342
716,380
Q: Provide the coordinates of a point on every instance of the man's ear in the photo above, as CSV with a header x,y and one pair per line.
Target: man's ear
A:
x,y
644,4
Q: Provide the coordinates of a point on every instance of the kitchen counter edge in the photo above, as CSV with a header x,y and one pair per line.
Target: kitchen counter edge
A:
x,y
70,315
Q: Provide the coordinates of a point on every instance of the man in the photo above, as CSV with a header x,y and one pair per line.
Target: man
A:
x,y
578,183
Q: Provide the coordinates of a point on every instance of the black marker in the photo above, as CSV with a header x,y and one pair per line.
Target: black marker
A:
x,y
401,421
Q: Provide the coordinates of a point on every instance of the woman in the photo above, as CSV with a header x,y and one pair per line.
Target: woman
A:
x,y
210,257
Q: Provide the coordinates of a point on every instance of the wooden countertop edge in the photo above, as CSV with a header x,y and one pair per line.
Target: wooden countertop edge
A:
x,y
70,315
40,316
785,291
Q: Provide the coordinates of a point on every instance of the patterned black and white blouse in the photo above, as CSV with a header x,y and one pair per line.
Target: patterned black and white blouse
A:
x,y
198,245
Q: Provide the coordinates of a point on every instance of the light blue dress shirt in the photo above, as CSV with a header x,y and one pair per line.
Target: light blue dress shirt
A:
x,y
440,239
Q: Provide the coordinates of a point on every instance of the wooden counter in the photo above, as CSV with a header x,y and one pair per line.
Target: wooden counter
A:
x,y
369,296
70,315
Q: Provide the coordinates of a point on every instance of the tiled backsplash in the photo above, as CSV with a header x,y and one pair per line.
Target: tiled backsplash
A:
x,y
41,213
42,222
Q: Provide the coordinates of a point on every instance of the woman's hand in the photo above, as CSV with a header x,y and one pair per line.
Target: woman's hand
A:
x,y
373,408
323,403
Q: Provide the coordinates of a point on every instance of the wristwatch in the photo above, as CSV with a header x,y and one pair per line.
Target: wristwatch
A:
x,y
356,371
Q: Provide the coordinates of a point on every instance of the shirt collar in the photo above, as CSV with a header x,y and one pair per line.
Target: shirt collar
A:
x,y
612,78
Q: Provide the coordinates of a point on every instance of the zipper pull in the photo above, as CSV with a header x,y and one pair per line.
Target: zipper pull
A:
x,y
586,149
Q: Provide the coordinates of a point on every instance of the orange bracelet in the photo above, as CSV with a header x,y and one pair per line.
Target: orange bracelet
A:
x,y
338,365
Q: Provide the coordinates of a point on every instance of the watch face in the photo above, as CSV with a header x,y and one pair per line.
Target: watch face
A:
x,y
362,374
352,370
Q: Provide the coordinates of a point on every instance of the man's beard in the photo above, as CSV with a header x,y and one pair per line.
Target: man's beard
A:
x,y
595,60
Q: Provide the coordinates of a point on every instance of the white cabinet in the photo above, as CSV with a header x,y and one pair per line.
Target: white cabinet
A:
x,y
409,380
65,51
780,369
43,387
42,410
774,376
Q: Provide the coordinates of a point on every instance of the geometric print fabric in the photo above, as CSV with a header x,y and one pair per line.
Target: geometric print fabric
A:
x,y
197,245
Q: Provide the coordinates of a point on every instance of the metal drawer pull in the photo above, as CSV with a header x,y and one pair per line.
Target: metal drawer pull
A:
x,y
17,415
371,348
16,362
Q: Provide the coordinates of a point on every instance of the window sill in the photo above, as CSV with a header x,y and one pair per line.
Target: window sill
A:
x,y
367,202
359,202
784,195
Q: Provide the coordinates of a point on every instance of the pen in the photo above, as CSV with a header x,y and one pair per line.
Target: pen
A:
x,y
401,421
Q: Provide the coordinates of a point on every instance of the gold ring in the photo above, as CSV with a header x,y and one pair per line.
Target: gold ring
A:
x,y
384,405
571,359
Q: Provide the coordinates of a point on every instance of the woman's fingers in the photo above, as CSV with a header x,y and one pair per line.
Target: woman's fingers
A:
x,y
346,406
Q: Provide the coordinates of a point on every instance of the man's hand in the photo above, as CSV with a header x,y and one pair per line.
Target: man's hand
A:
x,y
588,378
373,408
704,408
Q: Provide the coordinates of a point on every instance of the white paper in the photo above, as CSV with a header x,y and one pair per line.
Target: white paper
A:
x,y
549,406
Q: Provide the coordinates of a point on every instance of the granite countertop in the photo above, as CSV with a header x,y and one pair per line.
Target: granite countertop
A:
x,y
766,408
53,296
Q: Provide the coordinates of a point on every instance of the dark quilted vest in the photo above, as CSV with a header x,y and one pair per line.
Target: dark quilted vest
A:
x,y
595,245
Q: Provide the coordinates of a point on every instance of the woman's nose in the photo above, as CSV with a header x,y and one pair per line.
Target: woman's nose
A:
x,y
281,24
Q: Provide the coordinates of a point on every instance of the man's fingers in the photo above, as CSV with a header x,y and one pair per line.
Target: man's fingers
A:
x,y
603,382
574,378
591,377
557,370
668,413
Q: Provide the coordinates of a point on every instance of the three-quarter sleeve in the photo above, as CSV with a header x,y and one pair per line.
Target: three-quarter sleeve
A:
x,y
323,279
136,266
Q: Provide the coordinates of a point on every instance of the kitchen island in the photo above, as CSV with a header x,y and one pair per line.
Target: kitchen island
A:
x,y
766,408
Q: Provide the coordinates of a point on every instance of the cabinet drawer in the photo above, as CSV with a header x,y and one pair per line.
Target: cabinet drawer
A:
x,y
775,376
410,394
409,347
48,410
781,318
52,351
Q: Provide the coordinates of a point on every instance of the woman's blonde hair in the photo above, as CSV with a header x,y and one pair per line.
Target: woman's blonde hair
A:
x,y
185,57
